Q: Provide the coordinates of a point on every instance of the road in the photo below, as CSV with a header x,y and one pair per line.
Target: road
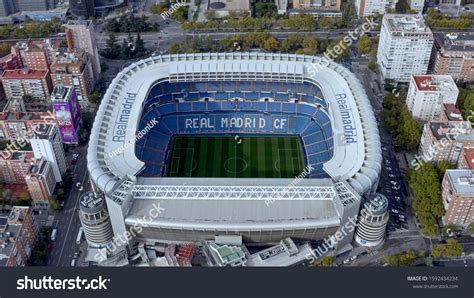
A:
x,y
67,220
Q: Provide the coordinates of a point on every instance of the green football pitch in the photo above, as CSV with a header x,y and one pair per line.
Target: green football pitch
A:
x,y
238,157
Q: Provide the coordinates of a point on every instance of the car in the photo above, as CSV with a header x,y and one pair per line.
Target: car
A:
x,y
396,187
73,262
393,182
391,175
61,205
389,169
77,254
394,211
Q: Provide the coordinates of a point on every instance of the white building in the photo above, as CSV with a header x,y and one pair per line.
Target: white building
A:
x,y
369,7
47,143
417,5
405,47
428,93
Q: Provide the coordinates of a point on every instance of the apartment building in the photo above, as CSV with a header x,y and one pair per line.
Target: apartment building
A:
x,y
417,5
80,35
457,191
453,54
450,112
14,166
444,140
47,143
427,94
20,82
74,69
19,232
21,126
318,7
366,8
405,47
41,182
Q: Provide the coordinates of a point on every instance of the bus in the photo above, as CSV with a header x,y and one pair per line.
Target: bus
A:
x,y
79,235
53,234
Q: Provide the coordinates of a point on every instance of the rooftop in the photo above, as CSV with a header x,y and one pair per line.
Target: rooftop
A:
x,y
442,83
458,42
456,130
43,131
452,112
406,23
462,181
12,74
468,155
61,93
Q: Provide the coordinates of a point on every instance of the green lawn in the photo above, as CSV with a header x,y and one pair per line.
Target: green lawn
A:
x,y
238,157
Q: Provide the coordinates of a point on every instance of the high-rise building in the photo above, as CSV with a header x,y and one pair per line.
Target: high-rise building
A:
x,y
8,7
428,93
14,166
82,8
21,126
74,69
47,143
405,47
458,197
80,35
95,220
442,141
372,221
41,182
370,7
453,54
67,112
35,56
18,83
18,235
417,5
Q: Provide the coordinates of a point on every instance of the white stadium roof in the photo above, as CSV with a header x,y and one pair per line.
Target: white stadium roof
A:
x,y
358,163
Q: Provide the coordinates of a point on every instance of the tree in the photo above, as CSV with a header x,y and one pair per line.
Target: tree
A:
x,y
270,44
364,46
112,49
140,49
326,261
372,65
452,248
310,45
442,167
210,14
325,22
4,49
400,260
53,203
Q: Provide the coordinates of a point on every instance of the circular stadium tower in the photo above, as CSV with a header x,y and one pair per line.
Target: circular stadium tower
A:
x,y
210,144
95,220
372,221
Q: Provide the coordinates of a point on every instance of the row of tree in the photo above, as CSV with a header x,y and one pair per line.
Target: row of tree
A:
x,y
265,41
130,23
30,29
399,122
451,248
425,185
129,49
439,20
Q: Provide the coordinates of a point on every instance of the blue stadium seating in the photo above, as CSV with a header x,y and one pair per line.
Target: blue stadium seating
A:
x,y
307,118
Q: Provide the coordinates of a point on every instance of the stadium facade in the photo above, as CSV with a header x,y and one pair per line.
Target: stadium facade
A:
x,y
226,94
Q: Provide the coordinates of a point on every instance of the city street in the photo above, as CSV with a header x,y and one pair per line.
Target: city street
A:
x,y
67,220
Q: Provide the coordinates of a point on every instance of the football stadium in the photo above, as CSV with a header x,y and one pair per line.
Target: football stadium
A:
x,y
229,134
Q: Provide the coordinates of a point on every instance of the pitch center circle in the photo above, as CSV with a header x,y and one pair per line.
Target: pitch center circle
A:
x,y
235,165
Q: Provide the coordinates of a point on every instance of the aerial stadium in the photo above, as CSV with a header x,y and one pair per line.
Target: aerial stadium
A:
x,y
230,133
